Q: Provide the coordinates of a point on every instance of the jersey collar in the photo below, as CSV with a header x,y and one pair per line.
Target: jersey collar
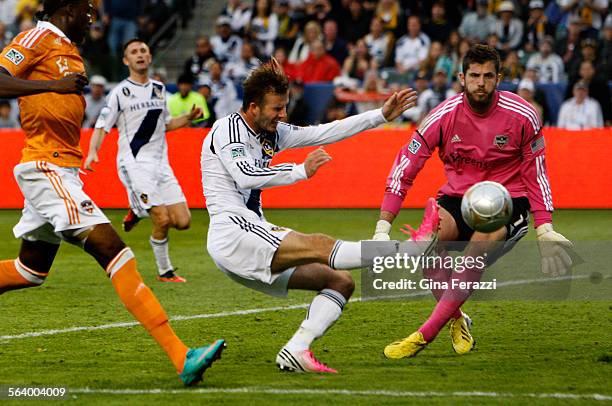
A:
x,y
47,25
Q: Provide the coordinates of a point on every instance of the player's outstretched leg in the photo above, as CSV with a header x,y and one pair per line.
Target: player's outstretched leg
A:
x,y
335,288
106,247
30,268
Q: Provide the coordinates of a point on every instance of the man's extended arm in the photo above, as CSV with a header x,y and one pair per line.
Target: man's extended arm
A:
x,y
11,87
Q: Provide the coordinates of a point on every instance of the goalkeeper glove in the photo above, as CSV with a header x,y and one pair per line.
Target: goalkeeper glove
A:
x,y
381,233
555,260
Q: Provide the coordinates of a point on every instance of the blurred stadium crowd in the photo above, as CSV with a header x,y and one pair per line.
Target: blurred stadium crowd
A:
x,y
364,50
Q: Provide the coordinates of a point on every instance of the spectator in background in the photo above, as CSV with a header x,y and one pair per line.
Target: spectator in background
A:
x,y
391,16
537,27
318,67
379,43
318,10
95,51
5,37
606,48
580,112
335,110
568,46
411,49
359,62
194,66
509,29
357,24
290,69
94,100
597,86
539,95
239,13
25,10
588,52
120,17
288,27
6,118
421,85
225,45
334,45
590,11
183,101
436,94
205,91
238,70
297,108
301,48
548,64
8,10
429,63
512,70
477,25
263,27
526,89
438,28
224,98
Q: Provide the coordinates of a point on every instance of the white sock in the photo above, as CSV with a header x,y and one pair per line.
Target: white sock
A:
x,y
162,257
324,310
346,255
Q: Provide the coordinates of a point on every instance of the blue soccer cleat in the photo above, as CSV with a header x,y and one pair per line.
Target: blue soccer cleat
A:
x,y
200,359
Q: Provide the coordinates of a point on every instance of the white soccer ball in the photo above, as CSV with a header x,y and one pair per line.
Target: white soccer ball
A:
x,y
486,206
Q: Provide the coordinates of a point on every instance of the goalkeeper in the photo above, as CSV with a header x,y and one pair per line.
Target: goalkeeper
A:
x,y
481,134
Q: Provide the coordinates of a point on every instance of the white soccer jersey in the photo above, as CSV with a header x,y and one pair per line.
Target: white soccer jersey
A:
x,y
236,161
141,116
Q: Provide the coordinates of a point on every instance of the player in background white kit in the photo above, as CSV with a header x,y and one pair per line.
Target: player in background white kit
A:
x,y
236,158
138,106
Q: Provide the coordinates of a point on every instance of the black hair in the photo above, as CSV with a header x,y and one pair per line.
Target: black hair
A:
x,y
481,53
131,41
185,78
51,6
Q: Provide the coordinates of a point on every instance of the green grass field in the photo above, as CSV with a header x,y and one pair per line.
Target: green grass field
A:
x,y
528,352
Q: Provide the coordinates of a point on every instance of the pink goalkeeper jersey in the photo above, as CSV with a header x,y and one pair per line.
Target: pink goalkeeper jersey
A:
x,y
505,145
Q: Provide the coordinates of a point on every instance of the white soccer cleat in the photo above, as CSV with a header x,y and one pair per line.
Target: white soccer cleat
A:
x,y
301,361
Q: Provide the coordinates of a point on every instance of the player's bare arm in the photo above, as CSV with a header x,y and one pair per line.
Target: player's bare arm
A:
x,y
398,103
94,146
11,87
185,119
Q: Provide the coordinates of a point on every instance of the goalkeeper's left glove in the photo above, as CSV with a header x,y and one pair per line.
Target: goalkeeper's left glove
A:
x,y
555,260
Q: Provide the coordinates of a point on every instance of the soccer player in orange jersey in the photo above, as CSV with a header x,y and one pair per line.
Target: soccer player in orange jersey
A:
x,y
42,67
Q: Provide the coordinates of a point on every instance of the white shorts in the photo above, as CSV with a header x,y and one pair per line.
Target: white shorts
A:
x,y
54,202
148,185
243,249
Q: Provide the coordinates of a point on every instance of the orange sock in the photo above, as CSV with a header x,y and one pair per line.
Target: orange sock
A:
x,y
14,275
142,303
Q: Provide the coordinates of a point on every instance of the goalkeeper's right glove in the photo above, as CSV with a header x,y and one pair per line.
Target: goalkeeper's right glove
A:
x,y
381,233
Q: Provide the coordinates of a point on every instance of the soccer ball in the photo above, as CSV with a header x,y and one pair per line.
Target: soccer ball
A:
x,y
486,206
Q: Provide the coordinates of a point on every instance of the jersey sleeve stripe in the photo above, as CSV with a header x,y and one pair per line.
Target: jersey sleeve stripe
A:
x,y
250,170
527,109
544,188
397,173
28,35
438,115
34,39
516,110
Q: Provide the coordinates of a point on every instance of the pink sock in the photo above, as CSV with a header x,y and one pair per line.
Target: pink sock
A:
x,y
440,274
449,304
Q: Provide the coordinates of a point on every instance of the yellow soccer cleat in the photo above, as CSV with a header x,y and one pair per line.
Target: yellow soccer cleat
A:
x,y
462,339
408,347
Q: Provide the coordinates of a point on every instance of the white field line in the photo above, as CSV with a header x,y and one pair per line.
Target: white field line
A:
x,y
342,392
5,338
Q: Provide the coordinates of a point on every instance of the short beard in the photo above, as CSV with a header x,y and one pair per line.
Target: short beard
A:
x,y
478,106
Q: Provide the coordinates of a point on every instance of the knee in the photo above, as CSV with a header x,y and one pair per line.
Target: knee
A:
x,y
342,282
162,221
182,223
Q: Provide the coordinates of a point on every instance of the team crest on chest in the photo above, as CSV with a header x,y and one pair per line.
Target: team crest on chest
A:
x,y
157,92
267,148
500,141
126,92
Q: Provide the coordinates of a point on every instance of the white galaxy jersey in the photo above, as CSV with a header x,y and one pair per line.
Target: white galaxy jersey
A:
x,y
141,116
236,161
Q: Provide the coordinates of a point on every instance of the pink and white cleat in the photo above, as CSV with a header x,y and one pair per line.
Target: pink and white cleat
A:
x,y
301,361
428,230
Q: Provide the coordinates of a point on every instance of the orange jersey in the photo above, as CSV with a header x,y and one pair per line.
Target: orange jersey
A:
x,y
51,121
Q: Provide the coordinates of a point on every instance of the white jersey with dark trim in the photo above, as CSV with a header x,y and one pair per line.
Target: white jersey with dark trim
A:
x,y
236,160
141,115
